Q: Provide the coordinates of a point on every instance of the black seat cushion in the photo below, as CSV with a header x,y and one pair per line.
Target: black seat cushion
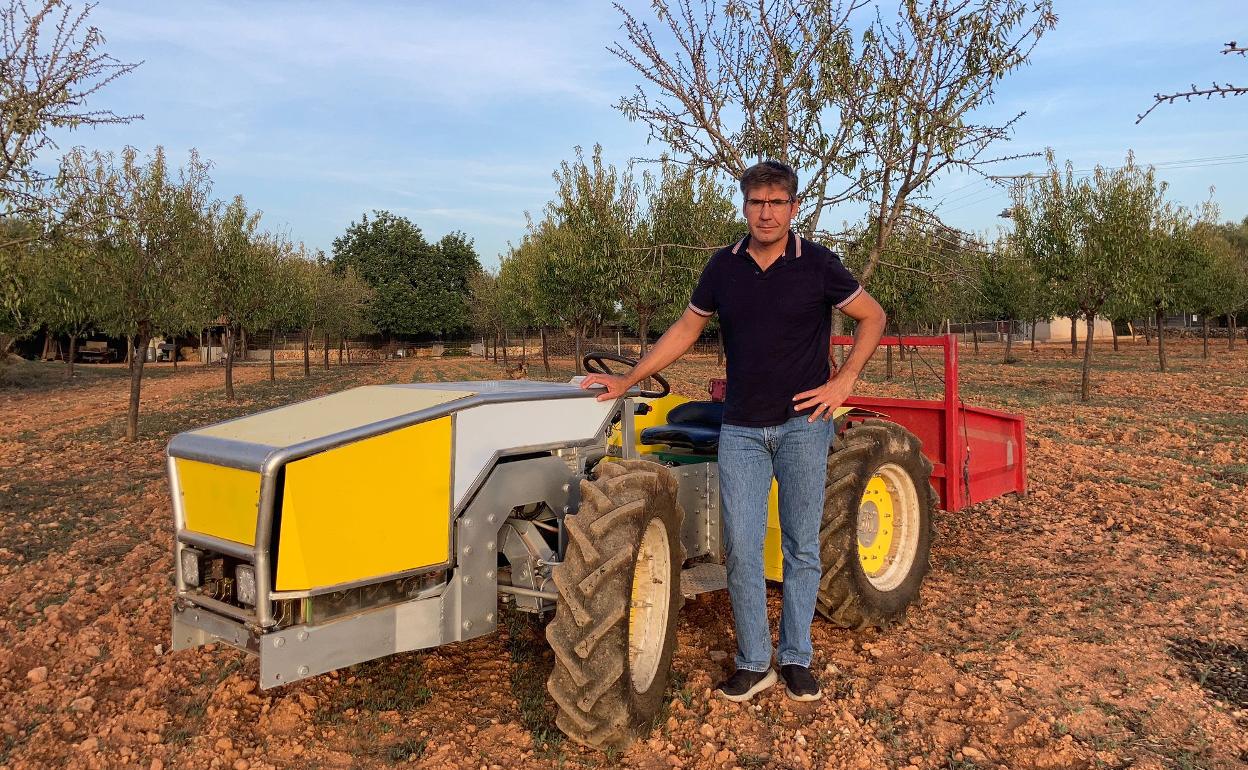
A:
x,y
693,425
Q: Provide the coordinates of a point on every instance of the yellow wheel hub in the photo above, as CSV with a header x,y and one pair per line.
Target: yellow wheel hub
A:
x,y
889,524
875,526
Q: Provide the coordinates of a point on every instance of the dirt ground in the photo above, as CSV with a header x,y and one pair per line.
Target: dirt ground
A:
x,y
1102,621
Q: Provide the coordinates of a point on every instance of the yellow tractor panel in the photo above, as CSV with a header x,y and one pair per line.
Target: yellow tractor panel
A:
x,y
375,507
219,501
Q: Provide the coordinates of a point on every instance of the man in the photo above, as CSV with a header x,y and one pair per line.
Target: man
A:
x,y
775,294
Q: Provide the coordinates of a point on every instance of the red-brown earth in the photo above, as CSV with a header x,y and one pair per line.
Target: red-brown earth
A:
x,y
1101,621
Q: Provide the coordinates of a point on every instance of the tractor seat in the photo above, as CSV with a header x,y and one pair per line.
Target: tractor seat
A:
x,y
693,425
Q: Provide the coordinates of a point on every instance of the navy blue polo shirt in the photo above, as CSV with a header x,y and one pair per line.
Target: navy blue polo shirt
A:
x,y
777,323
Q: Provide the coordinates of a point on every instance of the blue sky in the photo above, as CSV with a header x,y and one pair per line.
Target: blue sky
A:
x,y
456,114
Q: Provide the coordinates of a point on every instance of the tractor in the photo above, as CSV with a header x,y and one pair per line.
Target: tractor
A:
x,y
390,518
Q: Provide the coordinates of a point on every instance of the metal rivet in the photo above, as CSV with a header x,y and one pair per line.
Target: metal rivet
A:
x,y
467,550
567,508
303,636
566,487
303,671
467,625
489,546
489,617
278,642
489,574
490,518
467,522
467,579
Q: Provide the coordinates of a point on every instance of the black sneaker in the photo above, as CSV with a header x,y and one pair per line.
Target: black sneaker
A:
x,y
800,684
743,684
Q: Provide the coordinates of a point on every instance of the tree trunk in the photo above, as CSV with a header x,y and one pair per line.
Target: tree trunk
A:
x,y
524,347
130,352
69,359
136,383
1161,343
307,352
577,349
1033,335
975,339
545,353
1085,387
1074,336
47,345
643,329
1113,332
1009,338
325,353
229,363
504,336
1204,336
1230,331
273,356
242,343
342,344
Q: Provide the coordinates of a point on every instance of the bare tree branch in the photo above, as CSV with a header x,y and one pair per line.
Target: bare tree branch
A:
x,y
1215,89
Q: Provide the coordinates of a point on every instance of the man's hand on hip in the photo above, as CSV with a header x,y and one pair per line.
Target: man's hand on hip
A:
x,y
825,398
616,384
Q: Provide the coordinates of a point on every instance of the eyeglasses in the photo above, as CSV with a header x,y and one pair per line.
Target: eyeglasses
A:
x,y
758,203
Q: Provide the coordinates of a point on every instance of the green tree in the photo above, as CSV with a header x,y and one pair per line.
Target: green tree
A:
x,y
1086,238
688,215
1007,287
148,236
420,288
588,226
68,293
235,276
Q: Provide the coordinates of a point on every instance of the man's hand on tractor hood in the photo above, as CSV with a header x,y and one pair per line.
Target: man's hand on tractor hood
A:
x,y
616,384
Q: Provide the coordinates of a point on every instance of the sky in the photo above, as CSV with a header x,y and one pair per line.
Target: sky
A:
x,y
455,115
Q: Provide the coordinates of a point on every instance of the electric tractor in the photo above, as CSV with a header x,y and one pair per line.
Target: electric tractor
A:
x,y
390,518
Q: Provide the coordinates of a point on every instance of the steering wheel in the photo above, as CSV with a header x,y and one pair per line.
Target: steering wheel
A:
x,y
596,363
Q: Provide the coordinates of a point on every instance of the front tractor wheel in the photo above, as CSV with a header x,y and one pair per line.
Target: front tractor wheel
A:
x,y
877,525
614,629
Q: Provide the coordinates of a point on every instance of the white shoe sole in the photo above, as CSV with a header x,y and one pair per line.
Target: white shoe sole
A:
x,y
758,687
803,698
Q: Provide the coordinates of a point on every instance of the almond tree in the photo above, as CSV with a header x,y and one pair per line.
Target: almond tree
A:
x,y
235,275
68,293
586,230
875,120
148,236
51,64
1087,236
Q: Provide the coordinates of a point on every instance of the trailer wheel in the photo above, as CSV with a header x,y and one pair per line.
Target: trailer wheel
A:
x,y
877,525
614,630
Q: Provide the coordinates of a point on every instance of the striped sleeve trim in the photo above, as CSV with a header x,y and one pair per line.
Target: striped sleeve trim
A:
x,y
849,299
700,311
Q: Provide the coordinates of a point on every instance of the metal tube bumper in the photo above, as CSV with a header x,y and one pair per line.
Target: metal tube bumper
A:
x,y
302,651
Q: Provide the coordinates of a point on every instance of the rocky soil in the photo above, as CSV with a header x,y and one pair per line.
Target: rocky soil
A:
x,y
1101,621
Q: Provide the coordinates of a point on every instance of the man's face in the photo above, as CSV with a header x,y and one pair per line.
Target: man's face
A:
x,y
769,210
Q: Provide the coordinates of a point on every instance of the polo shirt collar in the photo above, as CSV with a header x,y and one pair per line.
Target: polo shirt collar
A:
x,y
792,249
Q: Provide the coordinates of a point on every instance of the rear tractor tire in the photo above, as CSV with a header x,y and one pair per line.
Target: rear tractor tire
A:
x,y
877,525
614,630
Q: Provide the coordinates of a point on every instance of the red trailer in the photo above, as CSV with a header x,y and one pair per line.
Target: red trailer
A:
x,y
977,453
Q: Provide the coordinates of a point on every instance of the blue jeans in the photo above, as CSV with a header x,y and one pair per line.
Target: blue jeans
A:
x,y
796,454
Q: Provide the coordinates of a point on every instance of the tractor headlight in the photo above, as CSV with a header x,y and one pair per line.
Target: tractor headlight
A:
x,y
245,584
192,560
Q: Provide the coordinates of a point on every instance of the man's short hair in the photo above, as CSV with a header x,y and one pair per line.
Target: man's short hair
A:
x,y
769,172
